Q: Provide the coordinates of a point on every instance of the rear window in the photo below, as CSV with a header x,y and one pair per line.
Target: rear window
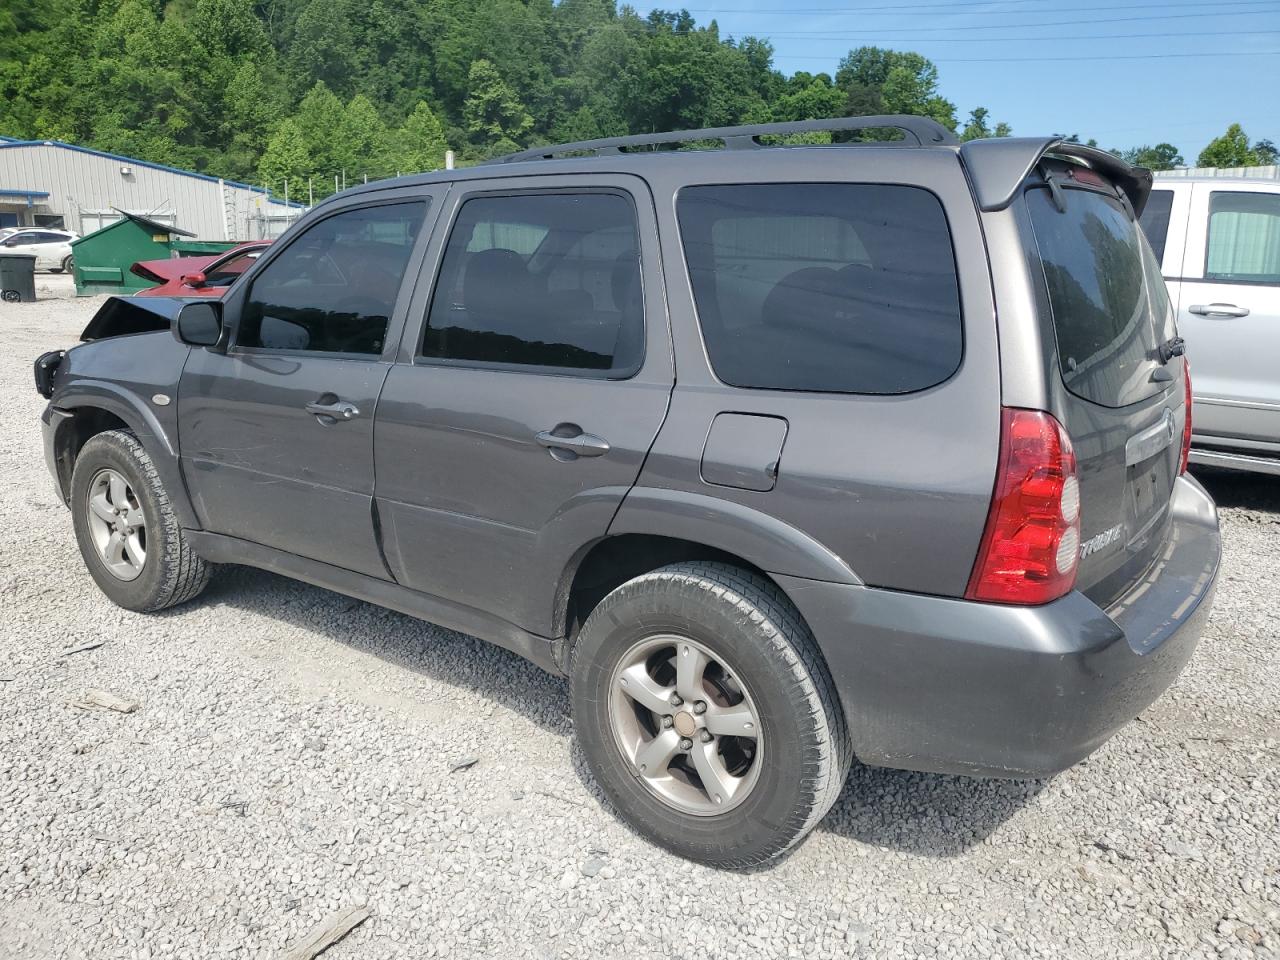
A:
x,y
1109,306
840,288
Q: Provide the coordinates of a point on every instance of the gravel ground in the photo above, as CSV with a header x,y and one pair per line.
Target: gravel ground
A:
x,y
296,752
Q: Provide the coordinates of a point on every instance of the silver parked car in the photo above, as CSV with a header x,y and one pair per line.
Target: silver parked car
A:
x,y
1219,243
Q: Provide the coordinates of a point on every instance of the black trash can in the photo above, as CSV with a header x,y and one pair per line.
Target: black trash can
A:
x,y
18,277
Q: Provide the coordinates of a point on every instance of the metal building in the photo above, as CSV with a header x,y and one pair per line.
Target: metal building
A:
x,y
52,184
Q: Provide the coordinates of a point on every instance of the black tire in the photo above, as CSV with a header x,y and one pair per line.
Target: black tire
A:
x,y
68,263
746,620
172,573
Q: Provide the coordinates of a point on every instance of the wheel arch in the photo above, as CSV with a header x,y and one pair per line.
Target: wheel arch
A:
x,y
97,407
605,564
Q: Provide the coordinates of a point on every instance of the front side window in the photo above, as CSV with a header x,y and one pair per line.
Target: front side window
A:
x,y
829,287
1244,238
541,280
334,288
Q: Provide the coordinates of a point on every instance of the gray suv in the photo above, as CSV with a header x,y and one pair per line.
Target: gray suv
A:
x,y
783,455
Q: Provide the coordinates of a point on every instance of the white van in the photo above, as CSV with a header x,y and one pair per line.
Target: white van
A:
x,y
1218,240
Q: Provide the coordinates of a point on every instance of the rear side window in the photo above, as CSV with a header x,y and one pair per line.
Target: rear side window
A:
x,y
840,288
1110,309
1244,238
1155,221
548,281
333,289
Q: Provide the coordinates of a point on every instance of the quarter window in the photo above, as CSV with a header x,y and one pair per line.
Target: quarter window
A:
x,y
842,288
334,288
541,280
1244,237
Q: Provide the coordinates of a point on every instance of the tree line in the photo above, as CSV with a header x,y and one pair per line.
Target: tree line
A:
x,y
274,90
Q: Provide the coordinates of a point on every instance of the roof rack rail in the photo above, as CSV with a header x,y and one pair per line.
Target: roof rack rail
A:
x,y
923,130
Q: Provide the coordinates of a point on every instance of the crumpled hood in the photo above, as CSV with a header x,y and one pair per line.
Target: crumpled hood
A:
x,y
121,316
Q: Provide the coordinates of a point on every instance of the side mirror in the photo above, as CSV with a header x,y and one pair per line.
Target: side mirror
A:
x,y
11,242
200,324
194,280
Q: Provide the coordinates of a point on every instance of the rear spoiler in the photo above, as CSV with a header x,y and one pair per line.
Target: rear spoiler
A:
x,y
998,167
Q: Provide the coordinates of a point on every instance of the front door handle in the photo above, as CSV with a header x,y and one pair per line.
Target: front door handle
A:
x,y
333,412
568,441
1218,310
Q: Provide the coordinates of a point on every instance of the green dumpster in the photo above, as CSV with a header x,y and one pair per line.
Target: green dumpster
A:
x,y
200,248
18,277
103,258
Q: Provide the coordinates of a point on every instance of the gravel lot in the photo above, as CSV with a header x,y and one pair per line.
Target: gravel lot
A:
x,y
294,752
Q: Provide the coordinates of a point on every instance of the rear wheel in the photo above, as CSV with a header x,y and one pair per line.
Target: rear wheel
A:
x,y
707,715
68,263
129,537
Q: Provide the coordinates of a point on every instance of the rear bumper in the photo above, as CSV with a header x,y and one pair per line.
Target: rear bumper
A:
x,y
950,686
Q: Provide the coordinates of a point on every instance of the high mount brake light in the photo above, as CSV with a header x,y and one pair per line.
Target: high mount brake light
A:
x,y
1031,546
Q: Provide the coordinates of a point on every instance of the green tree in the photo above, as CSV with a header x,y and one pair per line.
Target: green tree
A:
x,y
363,145
978,129
286,157
1266,152
319,116
496,121
877,80
1163,156
420,143
1229,150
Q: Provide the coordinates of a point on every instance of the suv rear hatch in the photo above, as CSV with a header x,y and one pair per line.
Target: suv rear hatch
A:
x,y
1121,394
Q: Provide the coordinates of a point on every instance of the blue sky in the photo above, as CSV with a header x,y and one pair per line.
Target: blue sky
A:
x,y
1227,69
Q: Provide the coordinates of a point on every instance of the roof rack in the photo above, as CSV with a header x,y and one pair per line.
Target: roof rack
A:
x,y
923,130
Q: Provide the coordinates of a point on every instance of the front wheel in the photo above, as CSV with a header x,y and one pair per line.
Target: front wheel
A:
x,y
707,715
128,534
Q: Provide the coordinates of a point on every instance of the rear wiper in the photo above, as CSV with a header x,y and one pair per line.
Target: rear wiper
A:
x,y
1173,347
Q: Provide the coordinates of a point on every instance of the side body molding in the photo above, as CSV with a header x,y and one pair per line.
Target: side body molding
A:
x,y
765,541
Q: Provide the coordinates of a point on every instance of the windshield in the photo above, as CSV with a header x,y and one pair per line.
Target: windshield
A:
x,y
1110,308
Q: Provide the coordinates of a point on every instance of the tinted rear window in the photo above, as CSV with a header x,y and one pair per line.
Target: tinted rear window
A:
x,y
842,288
1109,306
1155,220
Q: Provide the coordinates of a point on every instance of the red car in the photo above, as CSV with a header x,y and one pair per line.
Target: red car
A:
x,y
206,276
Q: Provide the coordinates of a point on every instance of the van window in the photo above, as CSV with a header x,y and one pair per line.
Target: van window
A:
x,y
828,287
1109,306
1244,237
548,280
1155,221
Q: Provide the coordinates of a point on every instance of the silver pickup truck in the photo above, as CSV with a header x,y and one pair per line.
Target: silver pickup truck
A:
x,y
1218,240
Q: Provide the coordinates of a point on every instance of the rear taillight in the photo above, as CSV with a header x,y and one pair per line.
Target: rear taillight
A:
x,y
1186,422
1031,545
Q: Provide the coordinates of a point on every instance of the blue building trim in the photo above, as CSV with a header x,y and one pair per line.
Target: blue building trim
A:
x,y
10,144
26,194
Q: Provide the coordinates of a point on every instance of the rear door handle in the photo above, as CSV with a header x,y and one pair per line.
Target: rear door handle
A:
x,y
1218,310
565,444
334,412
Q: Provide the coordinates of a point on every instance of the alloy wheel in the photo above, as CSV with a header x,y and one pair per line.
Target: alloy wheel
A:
x,y
686,724
117,524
